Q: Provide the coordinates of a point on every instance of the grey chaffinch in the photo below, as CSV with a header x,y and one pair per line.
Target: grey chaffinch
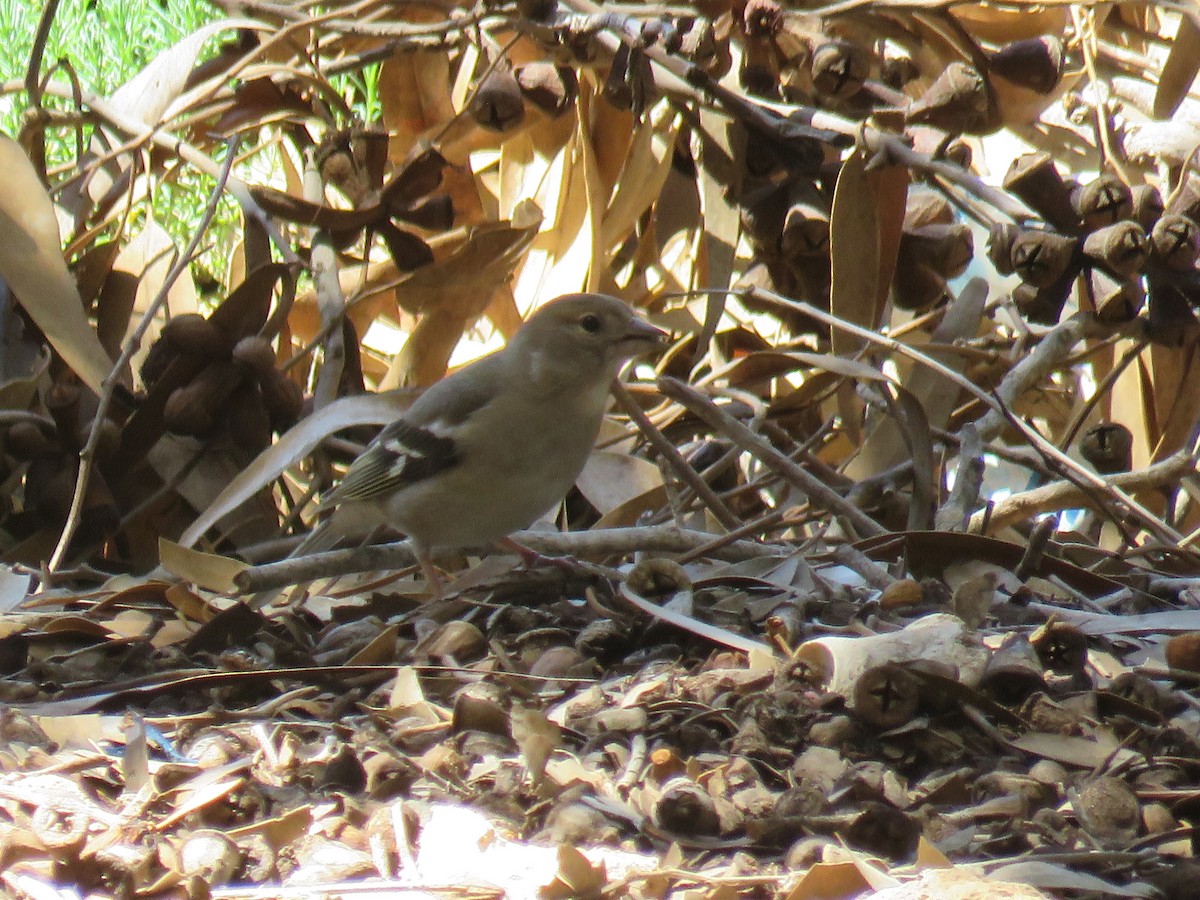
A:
x,y
486,451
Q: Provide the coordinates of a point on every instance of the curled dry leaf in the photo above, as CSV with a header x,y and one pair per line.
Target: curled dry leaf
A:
x,y
838,663
835,394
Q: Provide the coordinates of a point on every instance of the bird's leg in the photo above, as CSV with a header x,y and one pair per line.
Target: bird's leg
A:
x,y
437,584
532,558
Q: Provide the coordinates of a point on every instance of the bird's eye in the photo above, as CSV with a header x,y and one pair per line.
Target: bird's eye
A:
x,y
590,323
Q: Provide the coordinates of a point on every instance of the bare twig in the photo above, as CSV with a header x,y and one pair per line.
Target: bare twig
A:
x,y
1060,495
132,344
605,542
189,154
1024,374
816,490
674,458
33,71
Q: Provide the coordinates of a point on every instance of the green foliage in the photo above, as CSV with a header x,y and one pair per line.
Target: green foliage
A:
x,y
101,44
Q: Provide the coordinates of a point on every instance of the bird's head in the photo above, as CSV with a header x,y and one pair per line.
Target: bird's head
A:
x,y
587,330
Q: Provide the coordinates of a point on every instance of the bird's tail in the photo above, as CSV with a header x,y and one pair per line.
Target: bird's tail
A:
x,y
341,524
321,538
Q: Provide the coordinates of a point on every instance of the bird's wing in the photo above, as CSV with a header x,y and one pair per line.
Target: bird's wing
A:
x,y
424,442
401,455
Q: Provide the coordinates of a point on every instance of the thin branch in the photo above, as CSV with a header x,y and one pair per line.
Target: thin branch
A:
x,y
604,542
818,493
132,344
1025,373
189,154
34,69
686,473
1059,495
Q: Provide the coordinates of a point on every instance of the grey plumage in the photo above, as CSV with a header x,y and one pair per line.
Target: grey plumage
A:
x,y
487,450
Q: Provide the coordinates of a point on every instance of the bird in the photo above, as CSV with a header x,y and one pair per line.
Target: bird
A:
x,y
489,449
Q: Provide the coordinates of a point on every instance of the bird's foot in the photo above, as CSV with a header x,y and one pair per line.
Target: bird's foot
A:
x,y
532,558
437,584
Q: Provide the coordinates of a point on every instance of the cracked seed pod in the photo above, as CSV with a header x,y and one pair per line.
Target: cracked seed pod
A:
x,y
661,31
497,104
957,101
1103,201
1116,299
999,247
605,639
805,229
700,43
762,18
1185,201
353,161
839,70
249,423
28,440
947,249
805,232
1042,305
1034,63
948,147
886,696
193,335
550,88
759,72
1122,248
958,152
916,285
283,399
926,207
1042,258
1175,243
630,80
1108,447
1147,205
897,69
195,408
1035,179
61,831
657,576
1013,672
1062,648
685,808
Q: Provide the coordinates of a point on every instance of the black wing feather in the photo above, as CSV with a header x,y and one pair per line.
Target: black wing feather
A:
x,y
401,455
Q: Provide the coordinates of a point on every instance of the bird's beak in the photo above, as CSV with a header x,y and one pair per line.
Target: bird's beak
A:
x,y
642,332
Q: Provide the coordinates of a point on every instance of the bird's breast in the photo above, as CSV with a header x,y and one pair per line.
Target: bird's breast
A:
x,y
502,484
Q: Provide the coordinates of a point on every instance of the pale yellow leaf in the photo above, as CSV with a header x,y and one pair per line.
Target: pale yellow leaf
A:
x,y
208,570
32,264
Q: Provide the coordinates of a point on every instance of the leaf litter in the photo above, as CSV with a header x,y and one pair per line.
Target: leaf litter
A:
x,y
887,582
